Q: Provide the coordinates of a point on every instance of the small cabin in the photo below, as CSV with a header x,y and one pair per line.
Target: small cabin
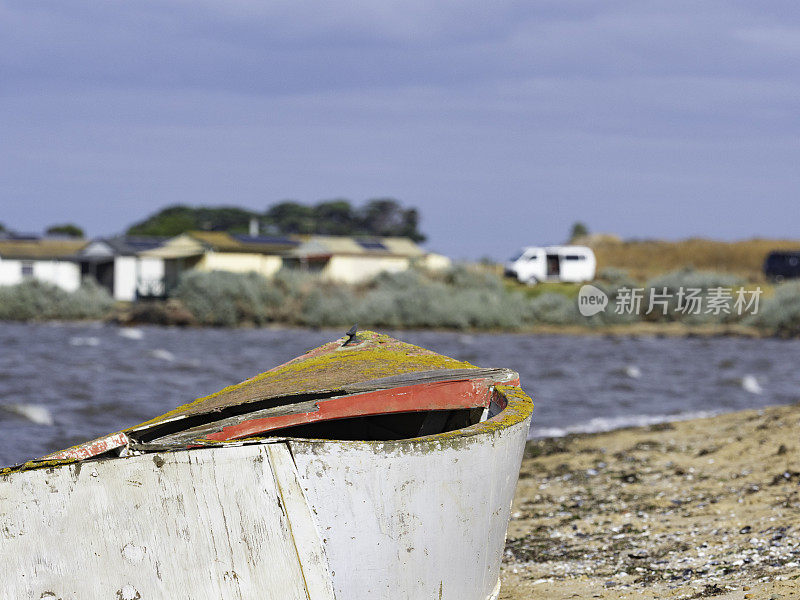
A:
x,y
51,260
220,251
533,264
355,260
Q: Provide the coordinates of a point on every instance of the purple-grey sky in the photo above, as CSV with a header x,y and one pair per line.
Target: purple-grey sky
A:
x,y
503,122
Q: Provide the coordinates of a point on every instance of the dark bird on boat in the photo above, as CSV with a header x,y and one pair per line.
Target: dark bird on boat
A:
x,y
351,335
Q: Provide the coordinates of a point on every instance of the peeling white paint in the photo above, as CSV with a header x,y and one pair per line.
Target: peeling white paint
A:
x,y
128,593
133,553
210,521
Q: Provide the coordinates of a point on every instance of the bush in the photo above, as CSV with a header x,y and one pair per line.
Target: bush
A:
x,y
294,287
614,282
459,299
221,298
463,277
555,309
328,306
434,304
615,277
780,315
36,300
90,301
689,279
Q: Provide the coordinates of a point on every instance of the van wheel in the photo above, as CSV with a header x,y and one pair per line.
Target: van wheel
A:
x,y
532,280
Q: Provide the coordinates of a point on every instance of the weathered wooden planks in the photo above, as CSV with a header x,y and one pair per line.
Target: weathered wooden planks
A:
x,y
191,524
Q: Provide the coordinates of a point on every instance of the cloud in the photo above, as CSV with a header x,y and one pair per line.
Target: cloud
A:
x,y
289,47
543,112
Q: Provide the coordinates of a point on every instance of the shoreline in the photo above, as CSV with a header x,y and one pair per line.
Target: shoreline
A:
x,y
689,509
641,329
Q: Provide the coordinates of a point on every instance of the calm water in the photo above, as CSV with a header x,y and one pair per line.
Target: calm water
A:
x,y
62,384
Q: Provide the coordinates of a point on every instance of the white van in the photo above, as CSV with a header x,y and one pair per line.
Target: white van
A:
x,y
552,263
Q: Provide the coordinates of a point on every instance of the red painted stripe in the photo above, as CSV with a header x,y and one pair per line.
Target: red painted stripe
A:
x,y
446,395
90,449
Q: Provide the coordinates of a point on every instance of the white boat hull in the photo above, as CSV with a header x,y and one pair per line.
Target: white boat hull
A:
x,y
294,519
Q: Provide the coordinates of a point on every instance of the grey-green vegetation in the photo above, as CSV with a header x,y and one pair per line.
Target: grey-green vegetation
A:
x,y
674,289
227,299
780,315
461,298
34,300
464,297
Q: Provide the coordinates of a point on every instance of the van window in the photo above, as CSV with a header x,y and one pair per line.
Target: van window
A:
x,y
533,257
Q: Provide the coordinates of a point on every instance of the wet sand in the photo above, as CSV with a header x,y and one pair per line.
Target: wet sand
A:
x,y
708,508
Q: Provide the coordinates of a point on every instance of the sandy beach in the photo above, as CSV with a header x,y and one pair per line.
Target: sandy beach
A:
x,y
708,508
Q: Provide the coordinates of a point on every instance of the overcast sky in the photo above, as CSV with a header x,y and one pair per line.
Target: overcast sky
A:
x,y
503,122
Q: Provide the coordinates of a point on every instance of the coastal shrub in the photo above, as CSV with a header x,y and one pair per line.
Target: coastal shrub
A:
x,y
416,304
30,300
616,283
464,277
329,305
36,300
555,309
706,282
614,276
90,301
437,305
402,280
294,283
293,286
460,298
780,315
455,300
221,298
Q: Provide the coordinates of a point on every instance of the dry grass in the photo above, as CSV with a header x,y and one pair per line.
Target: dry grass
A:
x,y
649,258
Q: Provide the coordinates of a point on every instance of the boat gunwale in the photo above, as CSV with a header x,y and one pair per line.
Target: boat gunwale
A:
x,y
518,408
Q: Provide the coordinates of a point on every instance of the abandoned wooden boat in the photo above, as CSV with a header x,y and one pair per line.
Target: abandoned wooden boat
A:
x,y
366,468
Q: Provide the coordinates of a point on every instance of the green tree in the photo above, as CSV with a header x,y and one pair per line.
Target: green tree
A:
x,y
67,229
385,217
2,228
290,217
177,219
335,217
578,230
378,217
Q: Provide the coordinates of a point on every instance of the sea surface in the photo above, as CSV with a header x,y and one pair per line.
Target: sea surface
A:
x,y
61,384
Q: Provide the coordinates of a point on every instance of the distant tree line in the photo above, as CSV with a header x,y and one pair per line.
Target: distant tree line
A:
x,y
377,217
63,230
